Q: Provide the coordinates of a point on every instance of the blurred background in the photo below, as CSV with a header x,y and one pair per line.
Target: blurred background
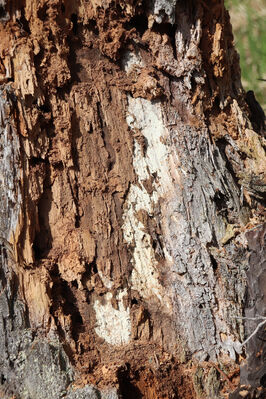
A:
x,y
248,21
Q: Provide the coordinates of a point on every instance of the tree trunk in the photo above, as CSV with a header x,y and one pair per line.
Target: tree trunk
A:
x,y
132,192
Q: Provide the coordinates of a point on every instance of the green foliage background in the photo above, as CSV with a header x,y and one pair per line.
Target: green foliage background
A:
x,y
248,20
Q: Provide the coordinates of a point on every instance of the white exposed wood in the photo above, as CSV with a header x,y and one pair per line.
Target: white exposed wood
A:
x,y
113,325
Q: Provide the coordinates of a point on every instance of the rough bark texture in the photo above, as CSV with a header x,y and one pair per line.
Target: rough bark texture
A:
x,y
132,192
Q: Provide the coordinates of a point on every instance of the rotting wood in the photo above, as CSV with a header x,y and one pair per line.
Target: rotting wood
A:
x,y
130,179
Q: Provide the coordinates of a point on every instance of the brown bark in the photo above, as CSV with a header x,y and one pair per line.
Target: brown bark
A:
x,y
132,187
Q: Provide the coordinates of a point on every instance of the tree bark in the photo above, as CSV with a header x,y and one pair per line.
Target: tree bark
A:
x,y
132,203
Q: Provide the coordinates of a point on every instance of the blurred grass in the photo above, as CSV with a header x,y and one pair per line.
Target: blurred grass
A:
x,y
248,21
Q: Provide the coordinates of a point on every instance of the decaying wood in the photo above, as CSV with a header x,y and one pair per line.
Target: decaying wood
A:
x,y
132,187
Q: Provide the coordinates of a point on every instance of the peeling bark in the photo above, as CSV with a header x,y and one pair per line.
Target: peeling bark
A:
x,y
132,191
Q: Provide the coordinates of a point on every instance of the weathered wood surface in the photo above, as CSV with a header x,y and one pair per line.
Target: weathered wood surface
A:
x,y
132,184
